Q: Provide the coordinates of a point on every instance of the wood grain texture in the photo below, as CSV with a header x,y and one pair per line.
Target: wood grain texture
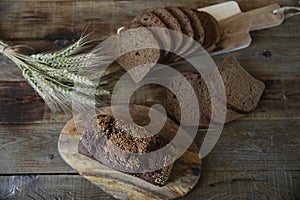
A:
x,y
257,157
267,56
263,18
247,185
235,29
45,187
212,185
269,145
33,19
31,148
256,145
19,102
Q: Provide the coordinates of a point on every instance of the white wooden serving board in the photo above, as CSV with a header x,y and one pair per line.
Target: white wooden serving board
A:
x,y
235,25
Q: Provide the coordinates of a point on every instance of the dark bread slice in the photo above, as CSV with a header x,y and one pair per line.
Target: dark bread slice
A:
x,y
183,20
173,110
199,33
149,19
211,28
171,22
142,57
106,139
186,28
243,91
204,102
172,104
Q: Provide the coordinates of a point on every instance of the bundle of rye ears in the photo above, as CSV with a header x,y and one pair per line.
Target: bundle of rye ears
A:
x,y
53,75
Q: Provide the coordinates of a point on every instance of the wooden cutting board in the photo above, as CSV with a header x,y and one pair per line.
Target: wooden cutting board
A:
x,y
184,177
235,25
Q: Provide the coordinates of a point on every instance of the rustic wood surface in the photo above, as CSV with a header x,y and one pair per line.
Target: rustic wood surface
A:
x,y
257,157
236,28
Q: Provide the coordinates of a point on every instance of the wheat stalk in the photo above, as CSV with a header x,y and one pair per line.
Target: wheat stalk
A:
x,y
53,75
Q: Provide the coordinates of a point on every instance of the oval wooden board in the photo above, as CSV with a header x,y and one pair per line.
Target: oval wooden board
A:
x,y
184,176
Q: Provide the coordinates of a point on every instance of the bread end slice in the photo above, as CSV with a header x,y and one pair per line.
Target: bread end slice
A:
x,y
243,91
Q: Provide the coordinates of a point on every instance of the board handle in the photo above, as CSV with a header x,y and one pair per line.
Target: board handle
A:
x,y
264,17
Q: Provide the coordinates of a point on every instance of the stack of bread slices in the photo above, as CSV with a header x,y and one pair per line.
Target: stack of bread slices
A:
x,y
198,25
242,90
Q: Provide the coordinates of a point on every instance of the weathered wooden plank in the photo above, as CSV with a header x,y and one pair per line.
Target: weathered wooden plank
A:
x,y
9,71
267,56
44,19
247,185
20,103
256,145
212,185
270,56
32,148
49,187
289,28
272,50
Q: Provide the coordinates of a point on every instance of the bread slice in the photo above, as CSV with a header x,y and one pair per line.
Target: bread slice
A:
x,y
172,23
211,28
199,34
149,19
242,90
109,141
172,104
142,57
186,27
204,102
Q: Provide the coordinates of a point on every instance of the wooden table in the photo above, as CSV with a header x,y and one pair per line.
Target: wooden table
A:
x,y
257,157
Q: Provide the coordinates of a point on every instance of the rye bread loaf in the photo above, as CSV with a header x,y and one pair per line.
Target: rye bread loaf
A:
x,y
243,91
149,19
186,28
211,28
106,139
171,23
142,57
